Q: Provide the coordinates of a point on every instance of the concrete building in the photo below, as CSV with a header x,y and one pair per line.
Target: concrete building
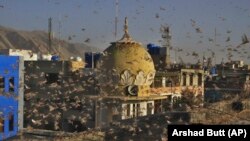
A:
x,y
177,81
193,79
27,55
232,79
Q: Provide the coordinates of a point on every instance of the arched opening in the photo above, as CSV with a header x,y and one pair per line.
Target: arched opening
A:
x,y
199,79
184,78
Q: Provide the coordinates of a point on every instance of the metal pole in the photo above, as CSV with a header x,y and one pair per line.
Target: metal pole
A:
x,y
116,17
50,34
96,113
93,60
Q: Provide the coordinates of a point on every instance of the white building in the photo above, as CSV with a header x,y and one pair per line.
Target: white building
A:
x,y
28,55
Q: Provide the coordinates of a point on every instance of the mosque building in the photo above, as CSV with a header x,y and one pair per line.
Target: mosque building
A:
x,y
126,73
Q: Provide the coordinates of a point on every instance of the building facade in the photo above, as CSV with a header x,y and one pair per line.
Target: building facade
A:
x,y
11,95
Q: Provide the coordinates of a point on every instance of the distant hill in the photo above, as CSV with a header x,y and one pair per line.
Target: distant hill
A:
x,y
37,41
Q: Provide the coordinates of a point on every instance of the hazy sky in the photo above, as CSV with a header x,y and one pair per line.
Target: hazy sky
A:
x,y
230,18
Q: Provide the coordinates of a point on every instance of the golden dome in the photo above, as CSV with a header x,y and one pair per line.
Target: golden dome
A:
x,y
130,61
128,56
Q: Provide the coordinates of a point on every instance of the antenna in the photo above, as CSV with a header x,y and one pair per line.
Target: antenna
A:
x,y
59,32
215,34
50,34
116,17
166,36
175,56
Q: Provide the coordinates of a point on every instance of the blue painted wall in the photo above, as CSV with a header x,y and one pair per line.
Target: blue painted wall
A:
x,y
9,75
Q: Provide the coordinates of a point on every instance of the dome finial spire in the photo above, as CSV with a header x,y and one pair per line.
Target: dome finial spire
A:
x,y
126,37
126,26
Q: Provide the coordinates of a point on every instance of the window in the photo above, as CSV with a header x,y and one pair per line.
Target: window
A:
x,y
169,83
199,79
149,108
157,106
184,77
191,79
1,84
134,110
11,84
128,110
1,125
138,113
175,102
11,122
